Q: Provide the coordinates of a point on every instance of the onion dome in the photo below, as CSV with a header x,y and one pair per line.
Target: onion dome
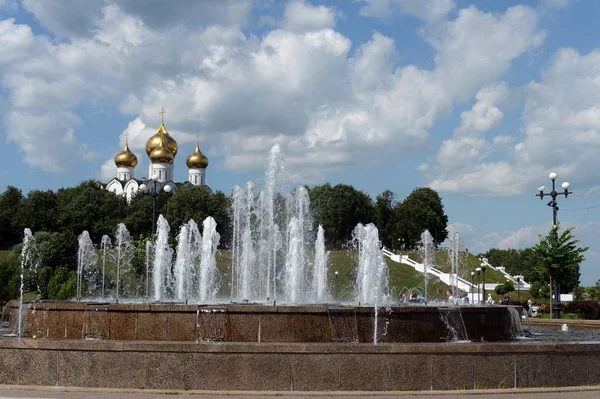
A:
x,y
126,158
161,136
161,154
197,159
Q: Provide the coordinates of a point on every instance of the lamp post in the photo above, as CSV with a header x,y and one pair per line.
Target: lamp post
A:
x,y
478,271
483,267
472,287
154,193
518,291
554,205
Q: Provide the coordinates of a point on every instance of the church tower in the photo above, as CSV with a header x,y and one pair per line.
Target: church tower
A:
x,y
126,162
197,163
161,149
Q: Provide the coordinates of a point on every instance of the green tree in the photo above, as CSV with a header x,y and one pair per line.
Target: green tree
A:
x,y
339,209
505,288
560,257
38,212
384,217
10,200
90,207
10,275
192,202
421,210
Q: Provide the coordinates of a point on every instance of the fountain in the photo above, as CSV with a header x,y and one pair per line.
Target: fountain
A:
x,y
105,248
208,263
87,261
428,251
27,263
455,253
277,297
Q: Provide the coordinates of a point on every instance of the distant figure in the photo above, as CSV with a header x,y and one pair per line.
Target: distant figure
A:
x,y
505,300
450,297
401,298
490,301
530,305
466,299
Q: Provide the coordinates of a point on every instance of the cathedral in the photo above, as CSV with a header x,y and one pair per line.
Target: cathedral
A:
x,y
161,149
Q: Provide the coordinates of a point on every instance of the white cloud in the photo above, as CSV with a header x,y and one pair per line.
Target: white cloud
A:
x,y
561,133
428,10
300,16
108,170
298,85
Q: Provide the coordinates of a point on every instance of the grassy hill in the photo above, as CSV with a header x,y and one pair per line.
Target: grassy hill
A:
x,y
468,265
402,277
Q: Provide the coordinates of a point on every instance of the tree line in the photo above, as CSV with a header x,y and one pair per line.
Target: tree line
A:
x,y
554,259
58,217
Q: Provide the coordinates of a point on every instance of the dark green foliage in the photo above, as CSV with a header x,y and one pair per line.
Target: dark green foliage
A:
x,y
559,259
38,211
90,207
63,284
584,309
516,261
385,217
339,209
421,210
10,200
192,202
505,288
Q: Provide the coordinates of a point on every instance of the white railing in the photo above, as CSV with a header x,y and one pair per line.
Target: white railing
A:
x,y
446,278
523,285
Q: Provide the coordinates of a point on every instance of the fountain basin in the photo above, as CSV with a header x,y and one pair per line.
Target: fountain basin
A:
x,y
257,323
294,366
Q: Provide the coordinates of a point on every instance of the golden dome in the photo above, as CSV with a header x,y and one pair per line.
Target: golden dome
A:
x,y
126,158
161,136
197,159
161,154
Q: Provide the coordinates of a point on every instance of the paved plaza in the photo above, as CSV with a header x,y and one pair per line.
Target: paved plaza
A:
x,y
14,392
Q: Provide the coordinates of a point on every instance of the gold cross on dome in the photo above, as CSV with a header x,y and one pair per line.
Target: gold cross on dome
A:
x,y
197,138
126,137
162,114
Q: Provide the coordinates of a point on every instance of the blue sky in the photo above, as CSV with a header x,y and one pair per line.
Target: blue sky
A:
x,y
479,100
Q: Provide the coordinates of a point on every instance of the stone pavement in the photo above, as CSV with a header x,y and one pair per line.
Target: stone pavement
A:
x,y
27,392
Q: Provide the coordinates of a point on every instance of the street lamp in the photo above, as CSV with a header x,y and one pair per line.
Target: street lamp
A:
x,y
478,270
472,286
518,291
154,193
483,267
554,205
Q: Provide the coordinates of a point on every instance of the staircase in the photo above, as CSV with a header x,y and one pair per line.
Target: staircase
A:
x,y
446,278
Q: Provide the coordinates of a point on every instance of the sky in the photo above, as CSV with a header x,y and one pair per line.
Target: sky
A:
x,y
478,100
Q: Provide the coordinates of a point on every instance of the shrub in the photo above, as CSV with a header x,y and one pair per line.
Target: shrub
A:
x,y
585,309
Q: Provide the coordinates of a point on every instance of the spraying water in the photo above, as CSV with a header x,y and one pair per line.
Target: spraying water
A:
x,y
87,261
273,240
372,282
428,250
148,259
294,263
163,255
27,263
208,264
105,248
319,281
188,257
454,254
123,253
